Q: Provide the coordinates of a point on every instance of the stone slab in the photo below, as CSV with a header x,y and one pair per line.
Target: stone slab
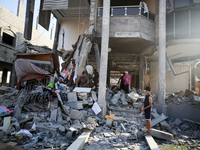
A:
x,y
158,120
80,141
177,122
54,115
81,89
6,123
109,123
161,134
152,144
72,97
75,114
163,123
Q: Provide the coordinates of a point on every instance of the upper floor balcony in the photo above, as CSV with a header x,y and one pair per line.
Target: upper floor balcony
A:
x,y
129,22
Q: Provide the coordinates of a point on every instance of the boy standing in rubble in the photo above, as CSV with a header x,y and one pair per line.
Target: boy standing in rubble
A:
x,y
147,108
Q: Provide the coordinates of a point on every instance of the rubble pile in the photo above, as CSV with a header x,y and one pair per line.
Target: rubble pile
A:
x,y
59,118
53,121
188,97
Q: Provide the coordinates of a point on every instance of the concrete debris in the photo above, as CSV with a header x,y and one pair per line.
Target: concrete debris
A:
x,y
177,122
75,114
64,117
109,123
82,96
189,92
115,98
158,119
181,93
133,96
161,134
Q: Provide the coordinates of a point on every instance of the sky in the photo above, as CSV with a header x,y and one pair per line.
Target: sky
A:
x,y
12,6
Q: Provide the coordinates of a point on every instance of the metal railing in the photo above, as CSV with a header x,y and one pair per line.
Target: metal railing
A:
x,y
127,10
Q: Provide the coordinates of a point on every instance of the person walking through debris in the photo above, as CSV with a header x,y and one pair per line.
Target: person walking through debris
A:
x,y
83,81
121,81
127,79
147,108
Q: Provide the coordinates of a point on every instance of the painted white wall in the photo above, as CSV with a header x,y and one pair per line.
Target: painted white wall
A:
x,y
180,82
72,28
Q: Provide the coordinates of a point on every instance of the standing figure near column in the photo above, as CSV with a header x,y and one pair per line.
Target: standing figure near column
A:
x,y
121,81
127,79
147,108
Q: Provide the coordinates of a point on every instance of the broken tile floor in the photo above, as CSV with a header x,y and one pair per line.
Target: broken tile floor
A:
x,y
61,121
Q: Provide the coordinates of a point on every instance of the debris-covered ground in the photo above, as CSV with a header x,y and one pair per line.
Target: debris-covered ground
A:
x,y
47,119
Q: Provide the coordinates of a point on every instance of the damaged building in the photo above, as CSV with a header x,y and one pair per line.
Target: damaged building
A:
x,y
12,35
156,41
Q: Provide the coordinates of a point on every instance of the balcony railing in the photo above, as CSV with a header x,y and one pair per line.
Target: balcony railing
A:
x,y
127,10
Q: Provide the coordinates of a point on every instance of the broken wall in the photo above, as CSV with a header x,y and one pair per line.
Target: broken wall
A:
x,y
72,30
180,82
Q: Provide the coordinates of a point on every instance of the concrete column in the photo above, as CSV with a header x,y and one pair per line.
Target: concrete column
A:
x,y
162,52
193,79
29,19
108,71
104,56
141,72
4,76
20,9
12,76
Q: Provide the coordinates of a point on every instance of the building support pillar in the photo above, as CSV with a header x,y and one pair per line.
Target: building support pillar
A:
x,y
141,72
162,55
104,56
4,76
108,71
13,76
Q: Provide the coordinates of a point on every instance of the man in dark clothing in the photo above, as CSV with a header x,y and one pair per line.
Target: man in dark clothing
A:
x,y
147,108
83,81
121,81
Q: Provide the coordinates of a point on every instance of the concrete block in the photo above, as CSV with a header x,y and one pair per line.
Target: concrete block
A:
x,y
133,96
94,95
80,141
98,129
164,124
82,96
196,100
158,119
137,105
59,116
72,97
152,144
79,106
6,123
61,128
75,114
54,115
177,122
181,93
189,92
161,134
16,126
118,118
124,136
91,120
109,123
115,98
